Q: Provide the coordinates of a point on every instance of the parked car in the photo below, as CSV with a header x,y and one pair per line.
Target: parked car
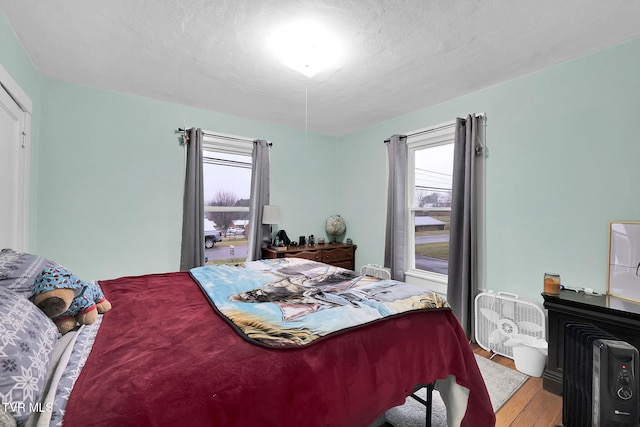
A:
x,y
211,237
235,231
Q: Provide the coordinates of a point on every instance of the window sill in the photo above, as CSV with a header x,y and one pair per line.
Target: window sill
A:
x,y
433,282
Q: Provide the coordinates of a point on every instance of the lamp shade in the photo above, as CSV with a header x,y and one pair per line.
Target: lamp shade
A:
x,y
270,214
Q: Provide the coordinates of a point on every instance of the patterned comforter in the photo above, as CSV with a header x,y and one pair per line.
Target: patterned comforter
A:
x,y
291,302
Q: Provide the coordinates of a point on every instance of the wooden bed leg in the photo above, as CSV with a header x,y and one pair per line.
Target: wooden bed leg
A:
x,y
427,403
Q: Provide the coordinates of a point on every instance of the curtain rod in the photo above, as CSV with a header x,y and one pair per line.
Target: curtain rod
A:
x,y
433,129
448,125
425,131
229,137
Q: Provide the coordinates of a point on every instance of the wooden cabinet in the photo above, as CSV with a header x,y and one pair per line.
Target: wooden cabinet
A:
x,y
338,254
616,316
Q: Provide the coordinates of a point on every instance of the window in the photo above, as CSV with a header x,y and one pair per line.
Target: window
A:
x,y
430,170
227,189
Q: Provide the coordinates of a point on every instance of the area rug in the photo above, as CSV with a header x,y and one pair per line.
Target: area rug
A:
x,y
501,383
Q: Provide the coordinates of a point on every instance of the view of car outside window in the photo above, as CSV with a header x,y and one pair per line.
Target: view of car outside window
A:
x,y
432,207
227,188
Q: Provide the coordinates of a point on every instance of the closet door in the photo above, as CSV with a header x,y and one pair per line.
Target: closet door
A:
x,y
13,192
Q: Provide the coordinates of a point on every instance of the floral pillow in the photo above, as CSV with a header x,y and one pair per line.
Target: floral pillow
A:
x,y
18,270
27,337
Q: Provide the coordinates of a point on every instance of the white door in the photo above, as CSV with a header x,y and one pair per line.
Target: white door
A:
x,y
12,192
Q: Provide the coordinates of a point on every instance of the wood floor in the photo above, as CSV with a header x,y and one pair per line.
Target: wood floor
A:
x,y
531,405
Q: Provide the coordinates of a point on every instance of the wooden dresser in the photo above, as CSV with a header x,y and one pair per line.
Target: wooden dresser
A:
x,y
338,254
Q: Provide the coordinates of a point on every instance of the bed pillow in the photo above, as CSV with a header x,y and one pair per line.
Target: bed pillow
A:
x,y
6,419
18,270
27,337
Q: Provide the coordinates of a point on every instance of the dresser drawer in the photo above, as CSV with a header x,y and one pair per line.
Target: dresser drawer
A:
x,y
347,265
338,254
312,255
331,256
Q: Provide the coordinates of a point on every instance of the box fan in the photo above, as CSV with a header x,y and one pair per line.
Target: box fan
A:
x,y
501,316
376,270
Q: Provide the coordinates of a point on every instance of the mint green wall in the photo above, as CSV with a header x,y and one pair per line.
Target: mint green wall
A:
x,y
107,173
16,62
112,178
563,153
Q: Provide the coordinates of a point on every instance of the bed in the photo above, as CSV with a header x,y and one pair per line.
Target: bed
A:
x,y
166,354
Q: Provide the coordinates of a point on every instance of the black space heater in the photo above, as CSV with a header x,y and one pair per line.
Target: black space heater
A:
x,y
615,384
600,384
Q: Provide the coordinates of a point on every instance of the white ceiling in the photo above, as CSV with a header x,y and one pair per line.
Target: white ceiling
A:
x,y
400,55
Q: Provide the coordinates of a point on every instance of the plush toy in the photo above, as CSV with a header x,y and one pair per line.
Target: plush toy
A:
x,y
66,299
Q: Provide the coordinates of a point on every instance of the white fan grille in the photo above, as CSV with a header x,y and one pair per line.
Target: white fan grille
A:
x,y
500,316
375,271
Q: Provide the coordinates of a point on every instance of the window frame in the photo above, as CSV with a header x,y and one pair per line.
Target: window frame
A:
x,y
229,144
439,134
432,136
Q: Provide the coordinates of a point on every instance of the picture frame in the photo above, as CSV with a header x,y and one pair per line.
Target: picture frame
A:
x,y
624,260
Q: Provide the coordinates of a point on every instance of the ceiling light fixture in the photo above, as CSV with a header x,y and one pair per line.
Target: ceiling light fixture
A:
x,y
306,47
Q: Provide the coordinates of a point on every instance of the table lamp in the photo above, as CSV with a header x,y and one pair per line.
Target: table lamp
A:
x,y
270,216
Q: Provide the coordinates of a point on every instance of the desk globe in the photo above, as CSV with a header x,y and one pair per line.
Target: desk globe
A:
x,y
335,226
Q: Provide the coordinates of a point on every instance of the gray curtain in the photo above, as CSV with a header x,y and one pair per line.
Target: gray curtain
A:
x,y
192,251
258,232
394,249
463,240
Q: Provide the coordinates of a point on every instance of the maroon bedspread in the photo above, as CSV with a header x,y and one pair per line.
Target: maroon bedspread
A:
x,y
163,357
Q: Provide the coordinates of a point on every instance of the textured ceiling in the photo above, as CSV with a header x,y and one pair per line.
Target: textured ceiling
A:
x,y
400,55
